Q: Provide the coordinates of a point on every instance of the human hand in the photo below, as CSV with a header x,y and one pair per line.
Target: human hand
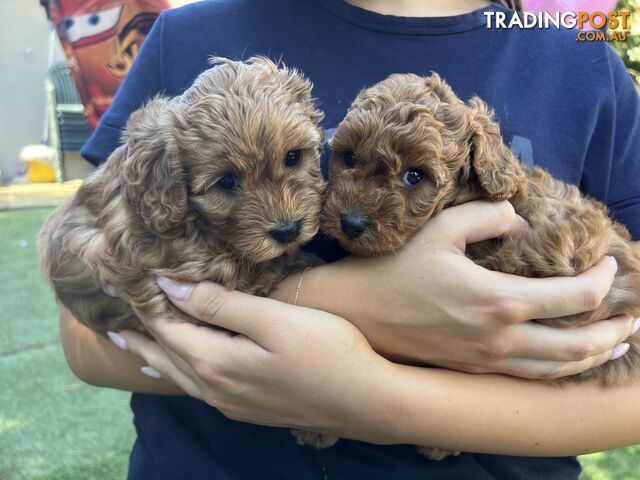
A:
x,y
286,366
428,303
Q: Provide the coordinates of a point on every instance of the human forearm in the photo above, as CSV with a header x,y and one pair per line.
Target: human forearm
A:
x,y
339,288
458,411
425,314
343,288
321,288
501,415
97,361
304,368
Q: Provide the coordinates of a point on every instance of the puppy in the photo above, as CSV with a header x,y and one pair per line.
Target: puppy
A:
x,y
409,147
222,183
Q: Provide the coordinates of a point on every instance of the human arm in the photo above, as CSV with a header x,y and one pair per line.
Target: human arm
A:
x,y
307,369
446,327
429,304
97,361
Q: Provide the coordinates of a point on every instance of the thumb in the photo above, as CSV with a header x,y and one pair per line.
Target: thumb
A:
x,y
477,221
213,304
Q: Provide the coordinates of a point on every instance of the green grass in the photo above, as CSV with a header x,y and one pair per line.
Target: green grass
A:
x,y
52,426
623,464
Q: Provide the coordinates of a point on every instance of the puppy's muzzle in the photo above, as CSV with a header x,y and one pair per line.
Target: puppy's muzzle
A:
x,y
353,225
286,232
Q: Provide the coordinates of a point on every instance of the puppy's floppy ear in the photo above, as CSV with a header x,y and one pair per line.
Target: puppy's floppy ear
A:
x,y
152,177
498,171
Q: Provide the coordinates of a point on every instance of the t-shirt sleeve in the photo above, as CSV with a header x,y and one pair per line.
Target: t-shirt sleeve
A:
x,y
623,197
143,81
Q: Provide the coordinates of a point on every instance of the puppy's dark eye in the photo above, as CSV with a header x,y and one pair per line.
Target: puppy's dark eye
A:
x,y
293,158
228,182
412,177
350,159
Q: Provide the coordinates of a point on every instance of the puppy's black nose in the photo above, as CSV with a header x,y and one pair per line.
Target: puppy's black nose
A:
x,y
286,232
353,225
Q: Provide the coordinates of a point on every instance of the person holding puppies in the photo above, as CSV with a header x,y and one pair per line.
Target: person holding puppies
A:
x,y
331,351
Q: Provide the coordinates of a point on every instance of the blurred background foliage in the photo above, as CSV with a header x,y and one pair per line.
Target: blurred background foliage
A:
x,y
630,50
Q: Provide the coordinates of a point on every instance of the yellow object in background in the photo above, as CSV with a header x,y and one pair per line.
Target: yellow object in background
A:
x,y
40,172
39,160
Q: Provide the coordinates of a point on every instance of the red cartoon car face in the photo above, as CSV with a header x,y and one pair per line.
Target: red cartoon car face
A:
x,y
101,39
90,28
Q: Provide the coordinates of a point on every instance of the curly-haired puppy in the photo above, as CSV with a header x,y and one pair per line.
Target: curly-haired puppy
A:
x,y
409,147
222,183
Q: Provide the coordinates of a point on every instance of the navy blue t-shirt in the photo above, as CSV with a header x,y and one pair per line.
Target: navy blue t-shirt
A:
x,y
567,106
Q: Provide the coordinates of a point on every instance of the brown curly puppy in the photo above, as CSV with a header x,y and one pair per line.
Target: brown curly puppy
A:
x,y
409,147
222,183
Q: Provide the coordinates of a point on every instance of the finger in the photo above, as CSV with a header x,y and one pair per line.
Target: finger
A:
x,y
184,338
477,221
197,344
541,370
235,311
158,359
541,342
156,355
562,296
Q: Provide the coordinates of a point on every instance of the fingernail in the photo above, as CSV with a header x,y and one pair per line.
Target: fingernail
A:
x,y
523,222
118,340
175,289
150,372
110,290
615,262
619,350
635,326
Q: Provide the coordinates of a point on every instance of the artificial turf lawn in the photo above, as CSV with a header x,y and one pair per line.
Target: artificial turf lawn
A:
x,y
54,427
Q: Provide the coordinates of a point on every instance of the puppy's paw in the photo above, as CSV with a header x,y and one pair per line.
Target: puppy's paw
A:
x,y
315,440
436,453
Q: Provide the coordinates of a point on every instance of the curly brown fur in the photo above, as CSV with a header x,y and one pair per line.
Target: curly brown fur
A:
x,y
408,123
158,205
